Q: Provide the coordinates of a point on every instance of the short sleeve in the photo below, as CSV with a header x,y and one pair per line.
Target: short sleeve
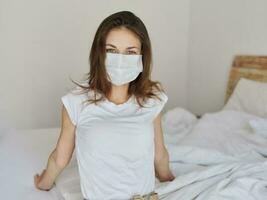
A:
x,y
159,104
72,103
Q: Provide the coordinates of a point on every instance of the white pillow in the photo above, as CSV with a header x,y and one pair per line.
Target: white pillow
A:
x,y
249,96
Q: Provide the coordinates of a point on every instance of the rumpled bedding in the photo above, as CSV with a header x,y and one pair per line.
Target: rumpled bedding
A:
x,y
229,158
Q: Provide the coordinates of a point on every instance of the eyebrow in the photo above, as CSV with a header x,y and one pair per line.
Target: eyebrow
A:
x,y
127,47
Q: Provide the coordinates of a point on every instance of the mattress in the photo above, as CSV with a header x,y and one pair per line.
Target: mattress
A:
x,y
24,153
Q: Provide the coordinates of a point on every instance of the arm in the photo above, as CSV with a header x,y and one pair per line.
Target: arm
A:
x,y
61,155
162,169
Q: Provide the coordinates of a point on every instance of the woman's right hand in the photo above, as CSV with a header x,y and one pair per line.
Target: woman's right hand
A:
x,y
37,182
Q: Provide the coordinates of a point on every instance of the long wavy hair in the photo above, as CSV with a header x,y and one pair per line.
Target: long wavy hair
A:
x,y
96,79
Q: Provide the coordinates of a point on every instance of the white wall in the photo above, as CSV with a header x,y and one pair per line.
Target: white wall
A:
x,y
45,42
218,31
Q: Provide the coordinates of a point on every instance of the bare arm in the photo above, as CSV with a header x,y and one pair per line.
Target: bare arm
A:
x,y
60,156
162,169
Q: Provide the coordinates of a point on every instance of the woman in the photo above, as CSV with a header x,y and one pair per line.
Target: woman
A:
x,y
117,134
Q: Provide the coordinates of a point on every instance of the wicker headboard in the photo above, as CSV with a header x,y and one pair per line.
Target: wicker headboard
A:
x,y
250,67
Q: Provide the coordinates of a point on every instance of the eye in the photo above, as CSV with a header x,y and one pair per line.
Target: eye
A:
x,y
111,50
131,52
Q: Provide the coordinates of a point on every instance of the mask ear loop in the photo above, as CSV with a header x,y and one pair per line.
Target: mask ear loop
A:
x,y
141,63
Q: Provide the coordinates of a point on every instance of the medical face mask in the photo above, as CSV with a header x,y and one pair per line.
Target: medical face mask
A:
x,y
123,68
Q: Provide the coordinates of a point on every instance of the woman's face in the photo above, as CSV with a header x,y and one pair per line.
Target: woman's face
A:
x,y
124,41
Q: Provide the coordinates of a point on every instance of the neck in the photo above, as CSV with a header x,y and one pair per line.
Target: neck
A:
x,y
119,94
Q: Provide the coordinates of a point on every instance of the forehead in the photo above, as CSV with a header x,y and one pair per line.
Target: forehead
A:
x,y
122,37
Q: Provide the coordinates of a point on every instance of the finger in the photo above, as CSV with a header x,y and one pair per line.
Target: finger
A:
x,y
36,178
35,181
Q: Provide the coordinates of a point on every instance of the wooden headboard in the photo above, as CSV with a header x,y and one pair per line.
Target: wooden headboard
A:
x,y
250,67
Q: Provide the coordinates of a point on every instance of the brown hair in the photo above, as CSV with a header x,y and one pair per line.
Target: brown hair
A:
x,y
142,87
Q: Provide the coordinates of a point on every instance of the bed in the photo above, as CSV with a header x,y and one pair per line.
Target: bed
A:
x,y
224,152
215,157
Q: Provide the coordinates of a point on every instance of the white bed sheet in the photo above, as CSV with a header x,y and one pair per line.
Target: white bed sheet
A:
x,y
24,153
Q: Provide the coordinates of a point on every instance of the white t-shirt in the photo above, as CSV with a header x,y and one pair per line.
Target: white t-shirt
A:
x,y
114,145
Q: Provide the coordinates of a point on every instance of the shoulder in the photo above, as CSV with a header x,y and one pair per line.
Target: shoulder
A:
x,y
74,101
162,95
154,105
76,98
160,98
75,94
